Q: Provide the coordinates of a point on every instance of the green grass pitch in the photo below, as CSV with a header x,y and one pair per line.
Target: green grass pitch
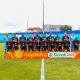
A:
x,y
29,69
19,69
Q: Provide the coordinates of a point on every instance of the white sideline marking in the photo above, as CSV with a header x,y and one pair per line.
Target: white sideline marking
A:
x,y
42,70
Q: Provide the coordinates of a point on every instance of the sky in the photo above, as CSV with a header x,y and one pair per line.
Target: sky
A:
x,y
15,13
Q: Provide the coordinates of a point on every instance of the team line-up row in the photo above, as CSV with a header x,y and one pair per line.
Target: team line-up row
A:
x,y
42,43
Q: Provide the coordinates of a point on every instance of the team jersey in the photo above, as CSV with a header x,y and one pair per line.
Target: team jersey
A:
x,y
30,43
38,43
76,42
15,43
59,43
51,43
45,43
57,38
9,43
23,43
66,43
22,39
14,38
64,38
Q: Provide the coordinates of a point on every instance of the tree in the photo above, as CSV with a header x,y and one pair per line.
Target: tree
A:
x,y
66,28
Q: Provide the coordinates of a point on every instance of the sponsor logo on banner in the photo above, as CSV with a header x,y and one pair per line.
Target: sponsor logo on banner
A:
x,y
61,55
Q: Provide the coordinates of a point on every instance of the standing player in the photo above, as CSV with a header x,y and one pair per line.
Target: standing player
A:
x,y
59,43
9,45
5,40
51,43
76,44
23,43
15,42
65,37
66,42
45,44
38,44
66,45
50,36
30,43
72,38
56,42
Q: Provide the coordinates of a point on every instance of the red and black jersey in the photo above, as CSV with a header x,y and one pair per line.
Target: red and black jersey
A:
x,y
59,43
38,43
23,43
15,39
22,38
51,42
30,42
64,38
44,43
76,42
57,38
66,43
15,43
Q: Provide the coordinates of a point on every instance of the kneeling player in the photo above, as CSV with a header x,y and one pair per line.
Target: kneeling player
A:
x,y
76,44
9,45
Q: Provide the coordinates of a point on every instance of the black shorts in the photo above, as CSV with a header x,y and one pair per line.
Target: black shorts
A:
x,y
16,47
59,48
30,48
66,47
9,48
76,47
52,46
45,48
23,48
38,48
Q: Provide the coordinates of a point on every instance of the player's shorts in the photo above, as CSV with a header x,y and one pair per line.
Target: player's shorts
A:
x,y
30,48
23,48
76,47
9,48
59,48
16,47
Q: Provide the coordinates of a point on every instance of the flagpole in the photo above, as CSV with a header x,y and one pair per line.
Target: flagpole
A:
x,y
43,17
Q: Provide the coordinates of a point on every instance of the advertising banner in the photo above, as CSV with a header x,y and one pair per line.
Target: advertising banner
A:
x,y
41,54
61,54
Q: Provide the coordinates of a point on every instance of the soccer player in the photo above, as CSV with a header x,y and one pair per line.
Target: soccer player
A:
x,y
45,44
59,43
65,37
30,44
66,45
15,42
72,37
76,44
23,43
9,45
37,43
50,36
56,42
51,43
5,40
